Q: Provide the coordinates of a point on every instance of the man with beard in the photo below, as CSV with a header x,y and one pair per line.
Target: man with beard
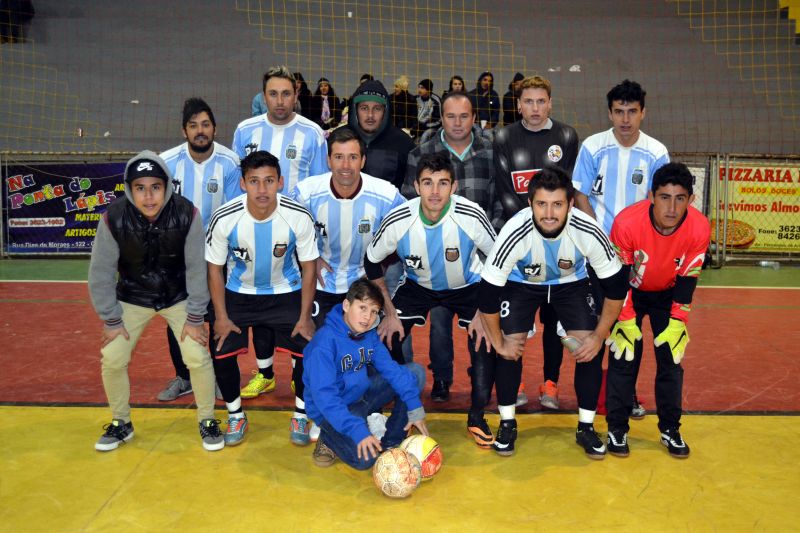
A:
x,y
540,256
207,174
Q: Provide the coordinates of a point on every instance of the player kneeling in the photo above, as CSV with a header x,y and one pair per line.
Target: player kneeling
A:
x,y
349,374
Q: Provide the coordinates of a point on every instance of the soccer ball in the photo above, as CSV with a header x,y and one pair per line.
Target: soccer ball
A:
x,y
427,452
396,473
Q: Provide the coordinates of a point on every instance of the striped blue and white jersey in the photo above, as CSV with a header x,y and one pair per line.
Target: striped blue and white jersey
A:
x,y
299,145
262,255
209,184
521,254
614,177
441,256
345,227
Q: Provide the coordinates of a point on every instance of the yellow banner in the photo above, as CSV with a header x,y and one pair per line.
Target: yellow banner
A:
x,y
763,207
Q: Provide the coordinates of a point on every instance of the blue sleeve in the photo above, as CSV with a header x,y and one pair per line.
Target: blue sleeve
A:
x,y
232,185
400,378
321,379
319,165
258,106
236,144
660,162
399,199
584,173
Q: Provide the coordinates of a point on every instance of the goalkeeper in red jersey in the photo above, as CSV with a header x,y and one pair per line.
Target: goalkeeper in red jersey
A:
x,y
663,241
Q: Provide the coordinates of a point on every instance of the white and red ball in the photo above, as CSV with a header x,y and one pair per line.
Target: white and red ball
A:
x,y
396,473
427,452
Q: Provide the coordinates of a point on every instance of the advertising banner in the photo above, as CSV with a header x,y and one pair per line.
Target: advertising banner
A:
x,y
763,207
55,207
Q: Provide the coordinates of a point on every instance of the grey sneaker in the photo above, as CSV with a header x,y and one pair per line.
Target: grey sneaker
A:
x,y
211,435
175,389
638,412
117,432
522,399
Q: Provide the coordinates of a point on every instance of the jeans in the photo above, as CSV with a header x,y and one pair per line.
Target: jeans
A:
x,y
380,393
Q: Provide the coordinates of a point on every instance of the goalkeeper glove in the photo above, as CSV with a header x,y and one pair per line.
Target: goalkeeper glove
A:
x,y
622,337
676,337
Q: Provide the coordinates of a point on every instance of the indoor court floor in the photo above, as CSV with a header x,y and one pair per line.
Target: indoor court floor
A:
x,y
741,394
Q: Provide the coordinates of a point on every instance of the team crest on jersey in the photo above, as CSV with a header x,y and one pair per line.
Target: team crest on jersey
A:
x,y
555,153
176,186
250,148
320,227
532,271
212,186
452,254
364,225
280,249
638,176
414,261
565,264
597,185
291,152
242,254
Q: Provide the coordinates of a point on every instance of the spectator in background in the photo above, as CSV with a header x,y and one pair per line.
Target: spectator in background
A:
x,y
325,108
404,106
511,112
429,107
347,103
303,103
456,86
258,106
486,101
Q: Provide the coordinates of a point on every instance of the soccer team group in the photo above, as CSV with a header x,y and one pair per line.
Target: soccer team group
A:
x,y
311,245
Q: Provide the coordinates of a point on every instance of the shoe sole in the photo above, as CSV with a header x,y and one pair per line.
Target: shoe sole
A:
x,y
638,417
324,464
233,443
214,447
110,447
548,404
299,442
619,454
675,455
503,453
249,396
482,441
160,399
595,456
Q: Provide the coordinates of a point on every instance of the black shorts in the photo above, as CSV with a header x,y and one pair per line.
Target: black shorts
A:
x,y
276,312
413,302
571,302
323,303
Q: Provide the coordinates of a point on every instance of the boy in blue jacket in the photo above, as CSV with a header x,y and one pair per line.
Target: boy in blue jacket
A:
x,y
349,374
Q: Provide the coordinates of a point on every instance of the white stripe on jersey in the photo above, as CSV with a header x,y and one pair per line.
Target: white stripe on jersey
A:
x,y
614,177
521,254
442,256
208,184
345,227
260,254
299,146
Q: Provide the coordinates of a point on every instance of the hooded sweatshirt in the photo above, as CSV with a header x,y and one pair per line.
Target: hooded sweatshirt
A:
x,y
335,374
388,146
151,264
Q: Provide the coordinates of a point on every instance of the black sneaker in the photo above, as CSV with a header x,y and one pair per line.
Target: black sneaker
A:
x,y
506,435
440,391
588,438
618,443
677,447
479,430
117,432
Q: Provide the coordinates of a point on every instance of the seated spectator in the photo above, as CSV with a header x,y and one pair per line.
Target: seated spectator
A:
x,y
403,105
303,103
325,107
259,105
429,107
485,101
456,86
510,109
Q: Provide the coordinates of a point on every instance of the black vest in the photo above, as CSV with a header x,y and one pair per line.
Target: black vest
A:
x,y
152,268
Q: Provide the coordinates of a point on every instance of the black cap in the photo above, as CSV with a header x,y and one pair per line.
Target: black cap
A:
x,y
144,167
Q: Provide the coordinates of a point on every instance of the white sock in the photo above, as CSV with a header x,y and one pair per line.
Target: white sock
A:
x,y
585,416
235,405
264,363
299,405
507,412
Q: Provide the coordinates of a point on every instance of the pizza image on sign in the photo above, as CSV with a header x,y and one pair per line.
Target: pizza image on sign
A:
x,y
739,235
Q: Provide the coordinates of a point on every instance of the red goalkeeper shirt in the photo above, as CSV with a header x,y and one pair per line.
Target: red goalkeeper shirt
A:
x,y
658,260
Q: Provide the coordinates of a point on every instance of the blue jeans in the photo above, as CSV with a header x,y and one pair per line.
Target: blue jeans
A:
x,y
379,394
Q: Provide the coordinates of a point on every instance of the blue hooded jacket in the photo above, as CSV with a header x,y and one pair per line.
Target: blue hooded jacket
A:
x,y
335,366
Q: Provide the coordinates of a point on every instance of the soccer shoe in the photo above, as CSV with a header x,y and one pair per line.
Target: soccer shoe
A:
x,y
618,443
211,435
548,395
323,456
299,431
677,447
258,385
440,391
175,389
522,398
117,432
313,432
479,430
590,441
237,427
506,436
638,412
